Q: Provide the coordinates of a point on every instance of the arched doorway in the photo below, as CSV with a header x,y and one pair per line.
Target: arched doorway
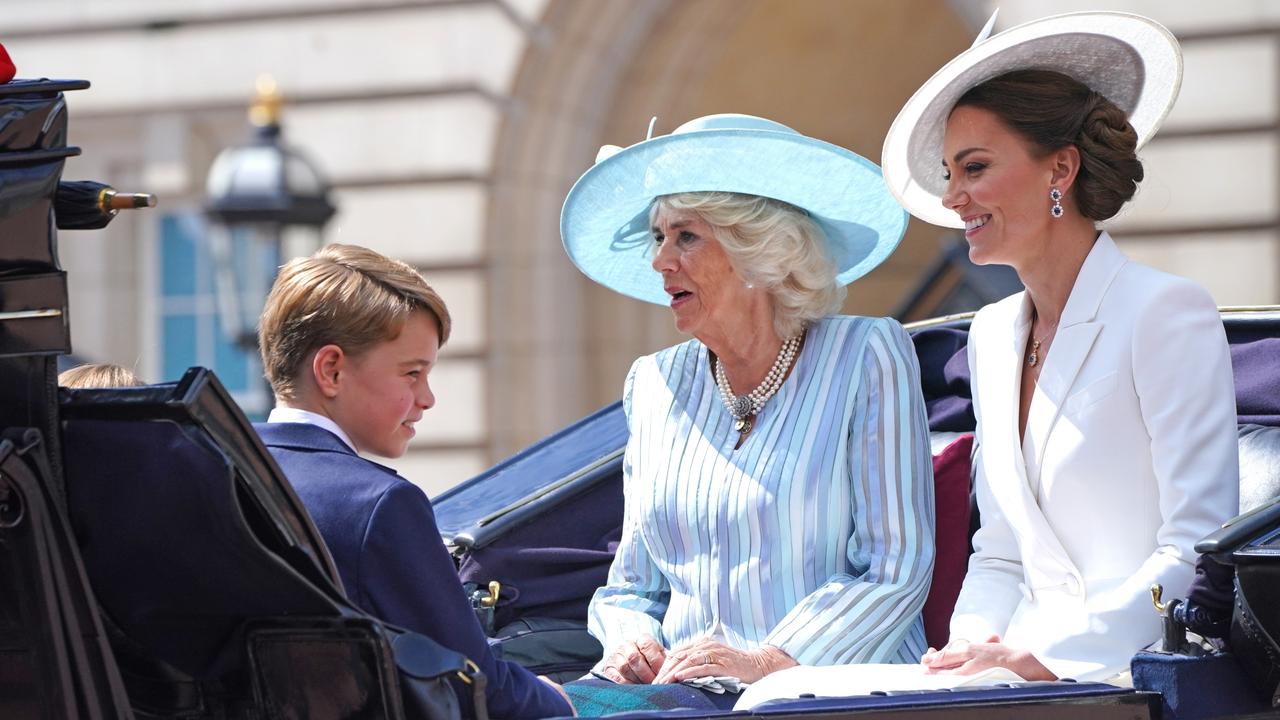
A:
x,y
594,74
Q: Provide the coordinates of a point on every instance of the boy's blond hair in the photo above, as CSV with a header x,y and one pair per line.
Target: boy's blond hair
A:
x,y
98,375
343,295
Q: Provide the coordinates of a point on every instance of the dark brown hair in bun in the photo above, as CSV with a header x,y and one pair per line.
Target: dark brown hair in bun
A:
x,y
1052,110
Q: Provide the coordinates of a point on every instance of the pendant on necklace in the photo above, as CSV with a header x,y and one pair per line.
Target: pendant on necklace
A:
x,y
1034,357
744,424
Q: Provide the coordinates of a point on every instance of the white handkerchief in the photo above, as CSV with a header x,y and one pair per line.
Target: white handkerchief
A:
x,y
717,684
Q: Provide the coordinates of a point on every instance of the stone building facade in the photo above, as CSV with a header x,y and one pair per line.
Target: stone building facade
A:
x,y
452,129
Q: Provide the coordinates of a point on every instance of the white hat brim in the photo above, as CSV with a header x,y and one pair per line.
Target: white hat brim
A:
x,y
1131,60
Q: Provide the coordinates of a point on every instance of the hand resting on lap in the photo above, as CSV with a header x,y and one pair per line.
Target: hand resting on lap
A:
x,y
708,657
962,657
635,662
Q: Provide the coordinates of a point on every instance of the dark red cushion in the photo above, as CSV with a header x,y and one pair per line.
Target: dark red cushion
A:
x,y
951,535
7,70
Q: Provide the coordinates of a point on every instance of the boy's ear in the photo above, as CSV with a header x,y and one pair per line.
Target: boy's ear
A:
x,y
327,366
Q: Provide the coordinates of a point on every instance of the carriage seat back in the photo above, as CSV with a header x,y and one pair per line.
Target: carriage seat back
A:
x,y
219,592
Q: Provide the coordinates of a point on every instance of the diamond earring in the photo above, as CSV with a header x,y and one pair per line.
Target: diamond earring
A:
x,y
1056,196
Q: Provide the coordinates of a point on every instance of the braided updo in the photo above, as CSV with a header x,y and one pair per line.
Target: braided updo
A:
x,y
1052,110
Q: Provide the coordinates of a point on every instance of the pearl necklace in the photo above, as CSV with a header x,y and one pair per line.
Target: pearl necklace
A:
x,y
744,408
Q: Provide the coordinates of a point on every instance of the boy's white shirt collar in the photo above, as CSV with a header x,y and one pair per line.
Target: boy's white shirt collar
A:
x,y
306,417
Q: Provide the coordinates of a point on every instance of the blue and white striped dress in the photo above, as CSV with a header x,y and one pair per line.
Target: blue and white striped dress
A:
x,y
816,536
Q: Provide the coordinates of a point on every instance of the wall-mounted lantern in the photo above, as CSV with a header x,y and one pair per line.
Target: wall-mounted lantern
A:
x,y
255,193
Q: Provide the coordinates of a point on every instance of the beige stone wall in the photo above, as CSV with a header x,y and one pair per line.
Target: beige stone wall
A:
x,y
1209,208
832,69
453,131
398,103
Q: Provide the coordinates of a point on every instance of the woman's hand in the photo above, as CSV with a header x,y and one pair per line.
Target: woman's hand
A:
x,y
961,657
635,662
708,657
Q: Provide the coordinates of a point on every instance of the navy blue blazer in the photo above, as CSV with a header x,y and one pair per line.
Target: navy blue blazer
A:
x,y
382,533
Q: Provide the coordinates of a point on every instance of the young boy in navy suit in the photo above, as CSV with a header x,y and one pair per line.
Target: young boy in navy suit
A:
x,y
348,339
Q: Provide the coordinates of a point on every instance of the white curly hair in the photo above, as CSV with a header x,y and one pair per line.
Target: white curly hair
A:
x,y
773,245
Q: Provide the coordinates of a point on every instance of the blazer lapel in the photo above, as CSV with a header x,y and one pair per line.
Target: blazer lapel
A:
x,y
999,374
1077,330
999,370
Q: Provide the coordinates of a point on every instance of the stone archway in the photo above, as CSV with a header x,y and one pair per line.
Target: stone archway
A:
x,y
594,73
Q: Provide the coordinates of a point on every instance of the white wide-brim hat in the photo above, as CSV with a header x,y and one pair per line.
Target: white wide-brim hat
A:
x,y
605,220
1131,60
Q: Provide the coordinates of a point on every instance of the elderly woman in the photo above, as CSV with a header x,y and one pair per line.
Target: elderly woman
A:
x,y
778,483
1103,393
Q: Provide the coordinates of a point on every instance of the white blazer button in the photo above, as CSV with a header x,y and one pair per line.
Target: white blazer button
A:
x,y
1026,592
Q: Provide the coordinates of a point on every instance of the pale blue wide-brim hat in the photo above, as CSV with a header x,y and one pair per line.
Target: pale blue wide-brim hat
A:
x,y
605,219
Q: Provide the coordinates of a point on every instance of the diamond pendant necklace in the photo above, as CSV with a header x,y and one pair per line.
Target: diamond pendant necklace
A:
x,y
744,408
1033,357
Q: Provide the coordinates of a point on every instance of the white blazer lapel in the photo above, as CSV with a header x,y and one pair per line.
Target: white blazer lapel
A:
x,y
1067,354
999,370
998,381
1077,330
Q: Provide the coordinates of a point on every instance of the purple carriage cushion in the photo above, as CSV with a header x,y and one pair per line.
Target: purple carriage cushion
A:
x,y
1256,366
944,378
551,566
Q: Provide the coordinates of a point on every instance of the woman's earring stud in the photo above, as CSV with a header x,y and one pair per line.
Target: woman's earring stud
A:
x,y
1056,196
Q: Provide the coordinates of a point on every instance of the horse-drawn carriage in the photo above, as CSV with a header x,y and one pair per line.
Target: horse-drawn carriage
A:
x,y
155,562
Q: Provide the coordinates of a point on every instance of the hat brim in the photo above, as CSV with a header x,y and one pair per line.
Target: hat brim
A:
x,y
1131,60
605,220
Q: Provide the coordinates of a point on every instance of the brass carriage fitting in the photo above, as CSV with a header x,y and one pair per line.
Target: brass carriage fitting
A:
x,y
110,200
1157,591
494,589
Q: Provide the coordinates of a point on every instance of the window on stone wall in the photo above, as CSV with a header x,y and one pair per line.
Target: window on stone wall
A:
x,y
190,318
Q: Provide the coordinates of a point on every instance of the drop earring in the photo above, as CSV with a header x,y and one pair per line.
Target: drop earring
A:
x,y
1056,196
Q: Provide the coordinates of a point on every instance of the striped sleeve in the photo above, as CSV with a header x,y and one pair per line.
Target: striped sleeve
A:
x,y
866,615
634,599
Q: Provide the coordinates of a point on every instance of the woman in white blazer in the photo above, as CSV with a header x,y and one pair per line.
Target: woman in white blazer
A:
x,y
1106,415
